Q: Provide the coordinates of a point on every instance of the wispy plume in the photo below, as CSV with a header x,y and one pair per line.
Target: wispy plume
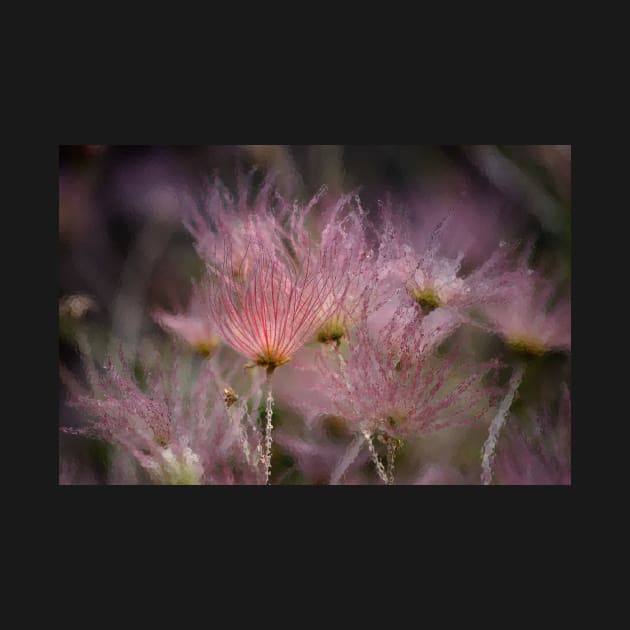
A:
x,y
177,429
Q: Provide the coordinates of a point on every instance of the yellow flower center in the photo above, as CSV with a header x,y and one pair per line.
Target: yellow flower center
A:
x,y
206,347
527,345
332,330
428,299
271,360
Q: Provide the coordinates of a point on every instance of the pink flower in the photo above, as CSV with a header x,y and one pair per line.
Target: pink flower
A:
x,y
530,320
345,229
177,433
425,265
289,230
193,328
270,313
393,382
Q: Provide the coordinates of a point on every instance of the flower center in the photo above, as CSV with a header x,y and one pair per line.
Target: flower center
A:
x,y
271,360
331,331
527,346
206,347
428,299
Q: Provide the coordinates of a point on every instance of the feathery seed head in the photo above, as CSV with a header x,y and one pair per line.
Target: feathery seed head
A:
x,y
193,329
269,315
175,428
393,382
433,278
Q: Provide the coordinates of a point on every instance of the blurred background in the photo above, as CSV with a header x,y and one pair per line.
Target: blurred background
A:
x,y
124,252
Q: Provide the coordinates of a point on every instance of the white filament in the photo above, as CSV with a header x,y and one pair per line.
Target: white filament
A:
x,y
268,437
377,462
487,460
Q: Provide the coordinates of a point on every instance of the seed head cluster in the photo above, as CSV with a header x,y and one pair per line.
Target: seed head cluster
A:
x,y
361,319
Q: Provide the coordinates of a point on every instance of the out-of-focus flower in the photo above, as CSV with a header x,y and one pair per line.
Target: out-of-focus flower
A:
x,y
194,328
537,452
195,331
530,321
179,432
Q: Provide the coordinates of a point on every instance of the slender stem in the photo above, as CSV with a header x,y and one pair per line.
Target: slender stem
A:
x,y
392,447
268,427
337,351
377,462
499,420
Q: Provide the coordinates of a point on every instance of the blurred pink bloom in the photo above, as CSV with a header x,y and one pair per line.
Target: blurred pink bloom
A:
x,y
529,320
193,328
539,452
394,383
178,433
